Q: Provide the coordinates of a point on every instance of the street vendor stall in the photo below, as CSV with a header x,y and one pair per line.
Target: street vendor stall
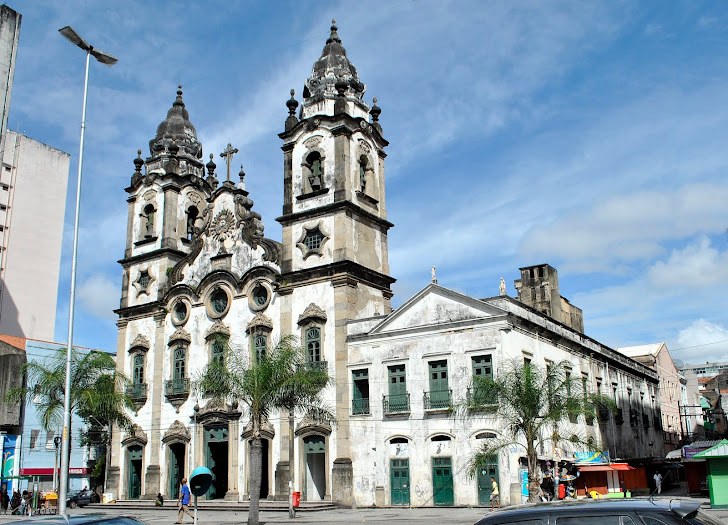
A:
x,y
717,466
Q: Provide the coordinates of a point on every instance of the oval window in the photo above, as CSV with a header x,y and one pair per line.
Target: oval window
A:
x,y
219,301
260,295
180,311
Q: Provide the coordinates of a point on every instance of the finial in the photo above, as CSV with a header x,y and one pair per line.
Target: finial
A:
x,y
334,37
138,162
211,166
434,275
375,111
292,104
341,86
178,100
241,174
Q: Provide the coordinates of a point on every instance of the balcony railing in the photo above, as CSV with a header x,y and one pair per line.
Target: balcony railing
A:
x,y
479,396
360,406
438,399
395,404
177,387
315,365
137,391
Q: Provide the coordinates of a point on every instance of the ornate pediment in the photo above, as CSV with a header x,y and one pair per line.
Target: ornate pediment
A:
x,y
218,328
217,412
177,433
259,321
140,342
310,426
267,431
135,436
180,335
312,312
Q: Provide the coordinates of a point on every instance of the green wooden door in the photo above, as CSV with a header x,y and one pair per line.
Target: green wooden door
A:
x,y
135,472
397,389
485,486
176,469
399,472
442,482
216,459
439,391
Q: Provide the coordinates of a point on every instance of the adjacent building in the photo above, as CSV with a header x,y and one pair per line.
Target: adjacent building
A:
x,y
198,271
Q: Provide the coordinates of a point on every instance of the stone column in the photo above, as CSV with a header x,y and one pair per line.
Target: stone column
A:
x,y
170,218
152,478
233,471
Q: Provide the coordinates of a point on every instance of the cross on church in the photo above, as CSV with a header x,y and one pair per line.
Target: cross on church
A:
x,y
228,156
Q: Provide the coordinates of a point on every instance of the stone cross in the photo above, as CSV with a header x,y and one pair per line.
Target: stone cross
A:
x,y
228,156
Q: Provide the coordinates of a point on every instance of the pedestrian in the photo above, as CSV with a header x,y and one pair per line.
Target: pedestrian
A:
x,y
658,482
494,495
4,499
159,501
184,501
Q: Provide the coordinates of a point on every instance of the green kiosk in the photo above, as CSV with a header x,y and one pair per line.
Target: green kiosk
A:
x,y
717,459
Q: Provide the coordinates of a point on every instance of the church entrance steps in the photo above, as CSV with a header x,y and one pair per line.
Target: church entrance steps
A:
x,y
268,506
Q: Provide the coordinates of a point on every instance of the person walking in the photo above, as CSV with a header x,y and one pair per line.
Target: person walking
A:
x,y
658,482
494,495
184,501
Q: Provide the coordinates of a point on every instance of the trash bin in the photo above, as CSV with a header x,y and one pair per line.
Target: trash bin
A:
x,y
562,491
296,499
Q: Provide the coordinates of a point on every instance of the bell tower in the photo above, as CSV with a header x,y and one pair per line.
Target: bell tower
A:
x,y
335,226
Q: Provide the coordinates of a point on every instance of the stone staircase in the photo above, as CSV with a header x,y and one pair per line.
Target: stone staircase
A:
x,y
221,505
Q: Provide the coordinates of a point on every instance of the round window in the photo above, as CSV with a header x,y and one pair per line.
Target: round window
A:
x,y
260,295
219,301
180,311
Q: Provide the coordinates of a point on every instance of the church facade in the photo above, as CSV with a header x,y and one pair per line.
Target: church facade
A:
x,y
198,271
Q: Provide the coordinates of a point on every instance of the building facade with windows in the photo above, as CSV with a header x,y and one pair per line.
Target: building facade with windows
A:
x,y
198,272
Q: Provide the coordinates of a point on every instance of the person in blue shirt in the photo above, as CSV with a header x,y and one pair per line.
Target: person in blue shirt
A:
x,y
184,501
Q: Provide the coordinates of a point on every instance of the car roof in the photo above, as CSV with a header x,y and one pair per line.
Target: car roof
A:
x,y
679,506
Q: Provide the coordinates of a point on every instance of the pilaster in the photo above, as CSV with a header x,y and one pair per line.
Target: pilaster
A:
x,y
233,469
152,479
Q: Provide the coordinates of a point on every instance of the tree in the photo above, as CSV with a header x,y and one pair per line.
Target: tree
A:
x,y
279,378
533,404
97,394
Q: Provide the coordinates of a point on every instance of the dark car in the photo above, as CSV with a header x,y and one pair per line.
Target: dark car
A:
x,y
81,498
80,519
604,512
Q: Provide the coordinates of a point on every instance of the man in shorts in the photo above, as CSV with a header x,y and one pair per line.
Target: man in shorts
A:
x,y
184,501
494,495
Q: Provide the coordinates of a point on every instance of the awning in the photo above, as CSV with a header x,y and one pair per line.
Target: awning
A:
x,y
595,468
621,466
674,454
73,471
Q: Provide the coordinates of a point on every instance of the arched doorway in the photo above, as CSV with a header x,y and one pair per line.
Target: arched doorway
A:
x,y
485,486
216,450
134,466
314,479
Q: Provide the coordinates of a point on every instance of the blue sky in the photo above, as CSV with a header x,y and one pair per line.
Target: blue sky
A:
x,y
588,135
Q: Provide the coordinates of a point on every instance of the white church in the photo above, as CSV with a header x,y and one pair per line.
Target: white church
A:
x,y
197,268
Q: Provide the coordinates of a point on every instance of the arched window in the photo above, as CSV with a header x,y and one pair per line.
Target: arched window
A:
x,y
192,213
260,345
313,344
363,165
148,220
315,171
180,355
138,369
217,350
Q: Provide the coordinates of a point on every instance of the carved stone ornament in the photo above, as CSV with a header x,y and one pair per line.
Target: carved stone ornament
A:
x,y
218,328
180,335
140,342
312,230
267,431
176,433
201,226
222,225
310,426
195,198
312,142
364,146
149,195
312,312
259,321
135,436
217,412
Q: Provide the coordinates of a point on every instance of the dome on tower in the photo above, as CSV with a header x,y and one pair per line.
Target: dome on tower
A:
x,y
178,130
333,67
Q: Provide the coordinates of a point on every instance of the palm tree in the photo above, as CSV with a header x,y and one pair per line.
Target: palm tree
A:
x,y
532,403
277,379
97,396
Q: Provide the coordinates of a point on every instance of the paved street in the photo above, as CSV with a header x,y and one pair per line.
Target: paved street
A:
x,y
434,516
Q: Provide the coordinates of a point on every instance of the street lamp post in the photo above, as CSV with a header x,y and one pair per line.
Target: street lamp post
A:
x,y
56,442
109,60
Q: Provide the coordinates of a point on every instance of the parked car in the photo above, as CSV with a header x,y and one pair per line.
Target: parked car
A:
x,y
653,511
81,498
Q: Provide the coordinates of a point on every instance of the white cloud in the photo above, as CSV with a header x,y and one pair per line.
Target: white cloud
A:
x,y
99,296
697,266
701,341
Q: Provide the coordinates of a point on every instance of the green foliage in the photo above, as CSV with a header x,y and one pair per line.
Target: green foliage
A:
x,y
279,379
534,406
